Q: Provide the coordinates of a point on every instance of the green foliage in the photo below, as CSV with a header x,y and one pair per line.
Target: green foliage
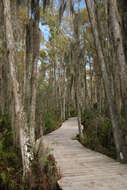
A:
x,y
73,112
10,159
47,113
51,121
97,132
44,174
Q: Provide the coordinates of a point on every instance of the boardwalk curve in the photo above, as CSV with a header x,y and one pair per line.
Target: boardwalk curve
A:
x,y
81,168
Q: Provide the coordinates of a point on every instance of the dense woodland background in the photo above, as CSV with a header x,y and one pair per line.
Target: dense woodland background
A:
x,y
77,67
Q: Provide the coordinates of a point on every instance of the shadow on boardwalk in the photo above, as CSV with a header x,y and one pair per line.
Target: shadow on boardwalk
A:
x,y
81,168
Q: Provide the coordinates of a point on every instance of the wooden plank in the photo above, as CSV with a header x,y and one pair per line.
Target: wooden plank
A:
x,y
81,168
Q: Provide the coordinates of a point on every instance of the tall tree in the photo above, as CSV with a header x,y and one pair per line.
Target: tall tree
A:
x,y
119,142
21,114
30,71
118,44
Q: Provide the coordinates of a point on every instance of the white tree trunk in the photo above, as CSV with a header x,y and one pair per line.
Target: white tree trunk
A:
x,y
20,114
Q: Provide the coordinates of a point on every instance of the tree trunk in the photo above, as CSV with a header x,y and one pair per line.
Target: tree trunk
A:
x,y
30,72
119,142
118,44
20,114
85,87
122,4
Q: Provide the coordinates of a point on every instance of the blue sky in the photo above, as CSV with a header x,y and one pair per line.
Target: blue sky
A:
x,y
82,4
45,31
45,28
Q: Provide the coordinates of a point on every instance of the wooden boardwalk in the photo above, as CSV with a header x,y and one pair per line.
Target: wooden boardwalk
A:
x,y
81,168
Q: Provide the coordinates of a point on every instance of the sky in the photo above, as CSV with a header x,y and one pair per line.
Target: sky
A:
x,y
45,31
45,28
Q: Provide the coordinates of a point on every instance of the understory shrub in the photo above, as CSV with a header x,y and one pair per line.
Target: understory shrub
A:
x,y
10,158
73,112
43,175
51,122
97,133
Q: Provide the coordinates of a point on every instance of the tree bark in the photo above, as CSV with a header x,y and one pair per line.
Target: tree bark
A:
x,y
119,142
122,4
19,109
118,44
30,72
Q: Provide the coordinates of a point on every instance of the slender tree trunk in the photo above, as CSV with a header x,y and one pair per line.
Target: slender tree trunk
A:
x,y
77,101
64,92
85,84
118,44
122,4
119,142
78,109
91,84
20,114
30,72
4,70
76,62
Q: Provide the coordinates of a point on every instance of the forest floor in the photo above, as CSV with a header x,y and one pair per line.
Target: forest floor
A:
x,y
81,168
